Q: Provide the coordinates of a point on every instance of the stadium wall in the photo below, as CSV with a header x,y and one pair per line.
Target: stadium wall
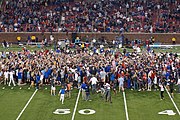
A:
x,y
159,37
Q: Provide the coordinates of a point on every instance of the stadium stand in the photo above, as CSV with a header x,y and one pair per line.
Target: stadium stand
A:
x,y
149,16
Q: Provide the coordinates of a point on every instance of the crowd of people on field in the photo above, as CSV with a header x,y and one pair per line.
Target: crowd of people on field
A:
x,y
101,70
90,16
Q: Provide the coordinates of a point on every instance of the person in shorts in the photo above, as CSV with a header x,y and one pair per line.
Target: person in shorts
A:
x,y
69,89
121,83
53,88
62,93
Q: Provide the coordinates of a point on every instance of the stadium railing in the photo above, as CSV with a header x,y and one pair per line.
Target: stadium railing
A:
x,y
109,36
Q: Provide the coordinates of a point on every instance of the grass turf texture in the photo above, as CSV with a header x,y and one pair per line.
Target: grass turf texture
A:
x,y
12,101
145,105
142,105
33,48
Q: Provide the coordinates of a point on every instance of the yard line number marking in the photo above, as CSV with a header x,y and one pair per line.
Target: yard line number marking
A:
x,y
62,111
90,111
26,104
125,105
173,101
77,100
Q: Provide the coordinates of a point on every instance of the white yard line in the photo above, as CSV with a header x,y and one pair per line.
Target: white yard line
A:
x,y
125,105
172,101
26,105
77,100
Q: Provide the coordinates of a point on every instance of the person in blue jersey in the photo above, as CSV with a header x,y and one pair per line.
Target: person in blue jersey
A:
x,y
107,68
19,76
62,93
87,92
83,88
112,77
37,81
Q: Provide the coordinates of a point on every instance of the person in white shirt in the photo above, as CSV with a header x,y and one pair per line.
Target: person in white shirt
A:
x,y
6,77
107,87
93,81
121,83
11,73
1,75
103,78
41,78
103,75
76,80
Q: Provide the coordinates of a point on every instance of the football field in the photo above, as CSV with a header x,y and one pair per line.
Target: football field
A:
x,y
29,104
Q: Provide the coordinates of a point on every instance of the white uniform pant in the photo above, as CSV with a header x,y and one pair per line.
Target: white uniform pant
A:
x,y
5,80
62,98
11,80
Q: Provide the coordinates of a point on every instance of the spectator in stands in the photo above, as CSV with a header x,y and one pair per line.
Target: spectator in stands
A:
x,y
94,16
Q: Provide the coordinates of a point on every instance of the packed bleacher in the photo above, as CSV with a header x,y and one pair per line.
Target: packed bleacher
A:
x,y
147,16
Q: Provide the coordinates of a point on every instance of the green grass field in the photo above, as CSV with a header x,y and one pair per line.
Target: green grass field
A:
x,y
33,48
143,105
